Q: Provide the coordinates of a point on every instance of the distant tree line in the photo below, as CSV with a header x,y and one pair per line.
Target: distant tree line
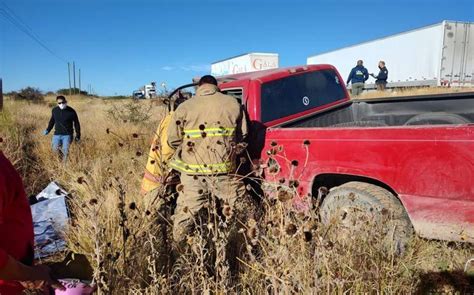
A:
x,y
65,91
33,94
28,94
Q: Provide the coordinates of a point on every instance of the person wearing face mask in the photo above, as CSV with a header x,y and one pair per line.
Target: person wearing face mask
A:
x,y
65,121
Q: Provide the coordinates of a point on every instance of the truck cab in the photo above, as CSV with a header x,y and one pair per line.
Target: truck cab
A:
x,y
138,94
279,96
149,91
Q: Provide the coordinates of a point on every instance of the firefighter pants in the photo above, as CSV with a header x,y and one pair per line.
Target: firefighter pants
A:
x,y
194,195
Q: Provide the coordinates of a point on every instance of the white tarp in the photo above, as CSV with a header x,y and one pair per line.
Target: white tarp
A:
x,y
50,217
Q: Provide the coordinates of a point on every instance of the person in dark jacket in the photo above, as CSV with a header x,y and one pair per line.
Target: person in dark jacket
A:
x,y
381,78
65,121
357,77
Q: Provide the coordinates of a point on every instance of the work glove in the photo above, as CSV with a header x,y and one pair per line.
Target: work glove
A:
x,y
45,132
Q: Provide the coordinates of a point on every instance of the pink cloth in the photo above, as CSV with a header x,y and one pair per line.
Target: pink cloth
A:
x,y
74,287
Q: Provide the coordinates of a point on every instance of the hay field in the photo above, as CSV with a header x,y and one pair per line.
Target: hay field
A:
x,y
124,234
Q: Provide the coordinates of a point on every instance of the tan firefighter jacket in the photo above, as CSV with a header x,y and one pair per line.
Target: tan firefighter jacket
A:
x,y
160,153
205,130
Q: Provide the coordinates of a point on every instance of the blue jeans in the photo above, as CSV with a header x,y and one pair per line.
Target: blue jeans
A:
x,y
62,141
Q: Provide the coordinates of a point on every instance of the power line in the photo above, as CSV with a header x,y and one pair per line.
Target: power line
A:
x,y
21,25
15,15
18,25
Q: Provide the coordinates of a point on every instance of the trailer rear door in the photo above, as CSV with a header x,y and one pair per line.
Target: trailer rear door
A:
x,y
468,77
457,61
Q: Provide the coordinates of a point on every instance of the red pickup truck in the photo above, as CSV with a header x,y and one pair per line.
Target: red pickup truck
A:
x,y
412,156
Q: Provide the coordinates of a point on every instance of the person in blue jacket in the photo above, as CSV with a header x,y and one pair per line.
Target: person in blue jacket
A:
x,y
357,77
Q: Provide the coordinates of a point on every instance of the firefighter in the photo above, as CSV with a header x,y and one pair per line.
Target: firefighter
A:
x,y
206,132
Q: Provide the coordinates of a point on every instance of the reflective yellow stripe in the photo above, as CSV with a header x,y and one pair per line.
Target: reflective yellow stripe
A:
x,y
204,169
209,132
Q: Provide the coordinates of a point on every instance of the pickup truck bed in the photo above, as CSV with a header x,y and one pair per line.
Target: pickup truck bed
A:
x,y
454,108
430,169
421,149
428,165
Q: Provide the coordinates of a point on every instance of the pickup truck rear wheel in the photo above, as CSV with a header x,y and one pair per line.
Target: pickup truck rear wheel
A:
x,y
353,204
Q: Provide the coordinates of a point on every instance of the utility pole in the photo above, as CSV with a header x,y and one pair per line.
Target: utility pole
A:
x,y
74,75
1,94
79,81
69,76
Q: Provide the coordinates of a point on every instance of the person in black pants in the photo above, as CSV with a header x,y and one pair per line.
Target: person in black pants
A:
x,y
65,120
381,78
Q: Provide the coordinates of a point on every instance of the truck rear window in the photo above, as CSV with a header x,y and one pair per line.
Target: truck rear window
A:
x,y
298,93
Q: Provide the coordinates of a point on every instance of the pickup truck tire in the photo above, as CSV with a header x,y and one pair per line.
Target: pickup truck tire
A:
x,y
436,118
347,205
360,124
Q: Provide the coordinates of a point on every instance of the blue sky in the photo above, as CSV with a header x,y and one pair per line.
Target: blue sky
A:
x,y
122,44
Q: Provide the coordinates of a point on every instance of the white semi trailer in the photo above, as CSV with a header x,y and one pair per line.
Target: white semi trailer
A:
x,y
436,55
249,62
145,92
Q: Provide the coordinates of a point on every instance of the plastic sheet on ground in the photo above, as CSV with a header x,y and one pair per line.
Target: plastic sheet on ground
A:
x,y
50,218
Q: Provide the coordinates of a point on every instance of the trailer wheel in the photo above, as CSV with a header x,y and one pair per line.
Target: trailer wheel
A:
x,y
353,205
436,118
360,124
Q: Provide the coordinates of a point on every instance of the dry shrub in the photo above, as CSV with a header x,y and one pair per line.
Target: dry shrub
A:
x,y
125,235
300,255
134,112
30,94
19,141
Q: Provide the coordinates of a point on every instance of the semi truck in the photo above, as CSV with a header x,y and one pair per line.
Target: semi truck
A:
x,y
249,62
145,92
438,55
410,158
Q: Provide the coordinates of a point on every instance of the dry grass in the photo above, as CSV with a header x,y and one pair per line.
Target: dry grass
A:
x,y
125,237
413,92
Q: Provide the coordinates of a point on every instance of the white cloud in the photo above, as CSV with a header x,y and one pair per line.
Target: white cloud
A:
x,y
189,68
200,68
167,68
